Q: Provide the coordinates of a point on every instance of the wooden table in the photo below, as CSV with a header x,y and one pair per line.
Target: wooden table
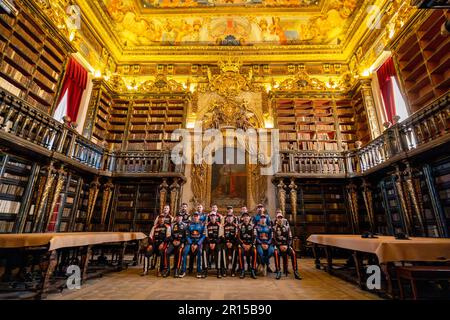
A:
x,y
387,250
420,273
47,245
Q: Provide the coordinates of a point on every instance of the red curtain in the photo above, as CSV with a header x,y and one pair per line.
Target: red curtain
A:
x,y
75,82
384,74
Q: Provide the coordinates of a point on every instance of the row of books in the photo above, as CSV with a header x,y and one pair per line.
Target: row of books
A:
x,y
11,189
15,74
346,127
121,215
6,226
10,207
319,146
8,175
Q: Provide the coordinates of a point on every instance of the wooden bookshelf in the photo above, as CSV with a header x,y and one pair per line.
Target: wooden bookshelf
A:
x,y
423,60
430,218
321,209
78,223
135,207
361,126
15,184
104,106
69,203
441,175
315,124
124,207
137,123
392,207
152,121
147,207
380,215
31,61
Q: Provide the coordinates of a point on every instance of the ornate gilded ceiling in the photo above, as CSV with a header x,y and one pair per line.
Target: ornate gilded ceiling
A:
x,y
202,30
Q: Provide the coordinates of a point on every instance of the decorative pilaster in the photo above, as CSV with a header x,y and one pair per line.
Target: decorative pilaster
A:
x,y
174,195
163,194
93,194
293,197
58,188
108,189
43,196
352,197
412,192
368,201
402,198
282,195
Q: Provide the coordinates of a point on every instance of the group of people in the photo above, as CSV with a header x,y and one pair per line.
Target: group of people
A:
x,y
233,244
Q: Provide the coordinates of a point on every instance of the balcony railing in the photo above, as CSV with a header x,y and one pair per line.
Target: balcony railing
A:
x,y
424,129
52,137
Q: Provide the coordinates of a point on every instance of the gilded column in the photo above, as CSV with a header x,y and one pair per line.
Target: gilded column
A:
x,y
293,196
44,191
412,192
93,194
108,189
163,194
368,201
352,197
58,188
282,195
174,195
369,104
402,198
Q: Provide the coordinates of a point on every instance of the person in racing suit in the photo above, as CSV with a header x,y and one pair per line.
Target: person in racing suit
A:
x,y
230,244
159,239
213,245
246,246
177,242
282,238
264,245
194,242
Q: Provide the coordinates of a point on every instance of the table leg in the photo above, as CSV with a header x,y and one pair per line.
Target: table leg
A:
x,y
385,269
121,256
400,287
86,252
414,289
48,273
316,255
358,258
329,255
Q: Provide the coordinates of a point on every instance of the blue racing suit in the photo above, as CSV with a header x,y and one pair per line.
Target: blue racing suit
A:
x,y
195,236
264,236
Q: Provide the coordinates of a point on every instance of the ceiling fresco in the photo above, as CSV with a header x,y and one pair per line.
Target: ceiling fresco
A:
x,y
134,26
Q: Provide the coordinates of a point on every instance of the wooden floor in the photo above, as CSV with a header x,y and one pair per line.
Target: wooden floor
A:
x,y
316,285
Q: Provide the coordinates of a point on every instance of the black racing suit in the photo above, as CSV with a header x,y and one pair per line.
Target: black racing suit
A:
x,y
214,235
179,230
160,234
230,236
246,236
282,236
